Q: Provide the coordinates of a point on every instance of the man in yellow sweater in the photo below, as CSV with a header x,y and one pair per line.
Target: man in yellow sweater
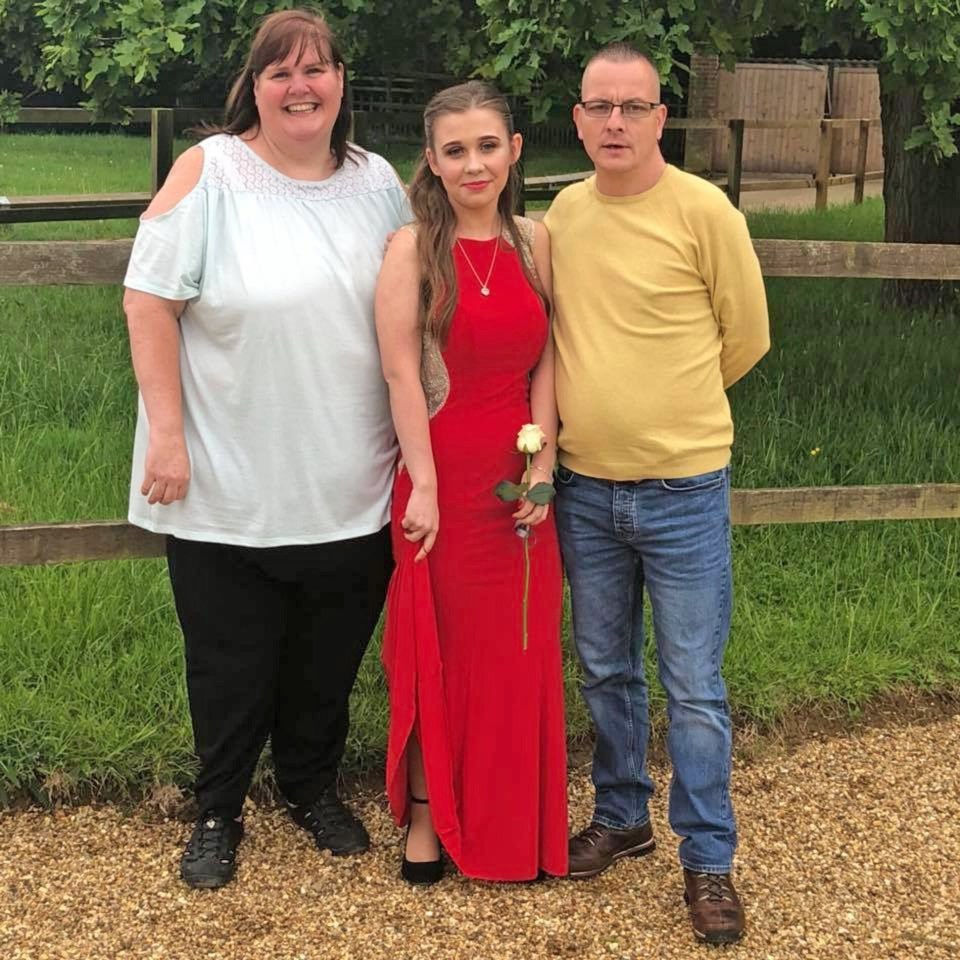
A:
x,y
660,307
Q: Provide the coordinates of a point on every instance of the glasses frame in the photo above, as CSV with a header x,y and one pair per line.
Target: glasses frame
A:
x,y
649,104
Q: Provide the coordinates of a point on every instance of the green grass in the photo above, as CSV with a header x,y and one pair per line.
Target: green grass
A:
x,y
91,688
43,164
863,222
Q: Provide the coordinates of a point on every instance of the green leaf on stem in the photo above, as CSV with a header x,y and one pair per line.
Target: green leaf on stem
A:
x,y
541,493
508,491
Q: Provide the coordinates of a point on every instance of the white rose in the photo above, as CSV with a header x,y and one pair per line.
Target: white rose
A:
x,y
531,438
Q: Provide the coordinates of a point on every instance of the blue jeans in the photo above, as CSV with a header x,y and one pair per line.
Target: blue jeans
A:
x,y
672,537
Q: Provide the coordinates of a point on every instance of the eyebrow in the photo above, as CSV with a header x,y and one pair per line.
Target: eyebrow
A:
x,y
584,98
459,143
306,66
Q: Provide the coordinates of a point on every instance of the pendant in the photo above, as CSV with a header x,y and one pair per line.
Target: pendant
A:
x,y
485,291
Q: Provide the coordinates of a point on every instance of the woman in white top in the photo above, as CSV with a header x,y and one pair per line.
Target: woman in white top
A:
x,y
264,445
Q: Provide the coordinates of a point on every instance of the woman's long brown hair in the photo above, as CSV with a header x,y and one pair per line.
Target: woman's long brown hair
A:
x,y
278,35
435,217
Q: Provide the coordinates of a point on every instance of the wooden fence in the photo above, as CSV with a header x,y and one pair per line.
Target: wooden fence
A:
x,y
105,206
822,180
545,188
791,91
103,262
165,122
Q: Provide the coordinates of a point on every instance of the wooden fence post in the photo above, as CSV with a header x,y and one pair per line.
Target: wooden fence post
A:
x,y
360,128
861,170
161,146
823,164
735,161
521,120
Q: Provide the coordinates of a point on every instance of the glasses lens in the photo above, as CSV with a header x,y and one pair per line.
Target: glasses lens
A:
x,y
636,109
597,108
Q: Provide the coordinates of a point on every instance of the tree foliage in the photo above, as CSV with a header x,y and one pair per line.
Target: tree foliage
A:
x,y
21,37
916,41
918,45
124,51
533,44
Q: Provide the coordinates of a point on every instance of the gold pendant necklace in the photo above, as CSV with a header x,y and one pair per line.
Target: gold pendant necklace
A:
x,y
484,284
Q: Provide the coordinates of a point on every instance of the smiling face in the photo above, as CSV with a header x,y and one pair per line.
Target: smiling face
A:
x,y
621,148
472,152
299,97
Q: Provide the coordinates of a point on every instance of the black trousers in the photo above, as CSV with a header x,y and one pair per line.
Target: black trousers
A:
x,y
274,637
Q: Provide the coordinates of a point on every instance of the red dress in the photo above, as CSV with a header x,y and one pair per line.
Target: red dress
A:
x,y
488,714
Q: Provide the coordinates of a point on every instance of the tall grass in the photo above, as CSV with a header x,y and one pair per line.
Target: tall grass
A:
x,y
91,688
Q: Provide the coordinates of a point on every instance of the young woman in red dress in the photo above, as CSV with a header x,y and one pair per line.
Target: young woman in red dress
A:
x,y
477,752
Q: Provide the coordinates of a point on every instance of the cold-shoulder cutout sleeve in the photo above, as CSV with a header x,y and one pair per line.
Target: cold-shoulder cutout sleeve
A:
x,y
169,250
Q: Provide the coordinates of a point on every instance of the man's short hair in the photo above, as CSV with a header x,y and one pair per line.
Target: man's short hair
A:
x,y
620,51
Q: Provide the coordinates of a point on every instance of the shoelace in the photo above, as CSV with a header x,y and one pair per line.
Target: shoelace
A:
x,y
713,887
210,836
591,834
332,811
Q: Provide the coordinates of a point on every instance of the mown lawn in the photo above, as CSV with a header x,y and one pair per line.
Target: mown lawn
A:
x,y
34,164
91,688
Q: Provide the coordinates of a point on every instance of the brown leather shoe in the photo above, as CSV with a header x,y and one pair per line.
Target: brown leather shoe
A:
x,y
715,909
596,847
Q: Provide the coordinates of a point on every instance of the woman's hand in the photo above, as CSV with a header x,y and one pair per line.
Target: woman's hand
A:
x,y
421,520
530,513
166,471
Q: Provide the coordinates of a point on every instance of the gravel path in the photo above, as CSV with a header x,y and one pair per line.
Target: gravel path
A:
x,y
849,850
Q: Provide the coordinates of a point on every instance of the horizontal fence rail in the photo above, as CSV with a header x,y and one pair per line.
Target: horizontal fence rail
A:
x,y
116,540
402,123
87,206
844,258
60,262
78,117
57,262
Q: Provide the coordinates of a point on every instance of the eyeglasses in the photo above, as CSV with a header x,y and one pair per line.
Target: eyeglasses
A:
x,y
629,109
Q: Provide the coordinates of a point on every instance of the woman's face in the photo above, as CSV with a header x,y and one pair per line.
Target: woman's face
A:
x,y
299,100
472,154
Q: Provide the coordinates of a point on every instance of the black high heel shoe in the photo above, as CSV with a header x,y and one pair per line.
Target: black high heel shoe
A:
x,y
421,873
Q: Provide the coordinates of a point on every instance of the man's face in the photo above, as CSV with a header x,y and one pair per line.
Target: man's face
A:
x,y
619,144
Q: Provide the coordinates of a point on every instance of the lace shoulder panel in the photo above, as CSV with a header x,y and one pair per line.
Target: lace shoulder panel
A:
x,y
232,165
526,228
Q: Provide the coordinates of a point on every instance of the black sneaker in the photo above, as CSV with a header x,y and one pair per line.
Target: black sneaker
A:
x,y
333,826
209,860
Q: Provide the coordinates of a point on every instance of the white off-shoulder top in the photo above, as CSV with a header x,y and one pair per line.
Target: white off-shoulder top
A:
x,y
286,413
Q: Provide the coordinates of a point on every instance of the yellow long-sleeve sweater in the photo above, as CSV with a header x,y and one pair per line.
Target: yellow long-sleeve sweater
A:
x,y
660,306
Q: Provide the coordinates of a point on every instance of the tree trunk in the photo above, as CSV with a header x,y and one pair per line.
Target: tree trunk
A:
x,y
921,197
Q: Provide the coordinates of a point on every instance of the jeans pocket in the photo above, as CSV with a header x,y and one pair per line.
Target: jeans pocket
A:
x,y
565,477
699,483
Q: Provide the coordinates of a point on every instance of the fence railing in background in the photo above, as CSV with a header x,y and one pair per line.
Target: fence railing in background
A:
x,y
78,117
103,262
822,180
545,188
92,262
164,123
40,544
404,124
